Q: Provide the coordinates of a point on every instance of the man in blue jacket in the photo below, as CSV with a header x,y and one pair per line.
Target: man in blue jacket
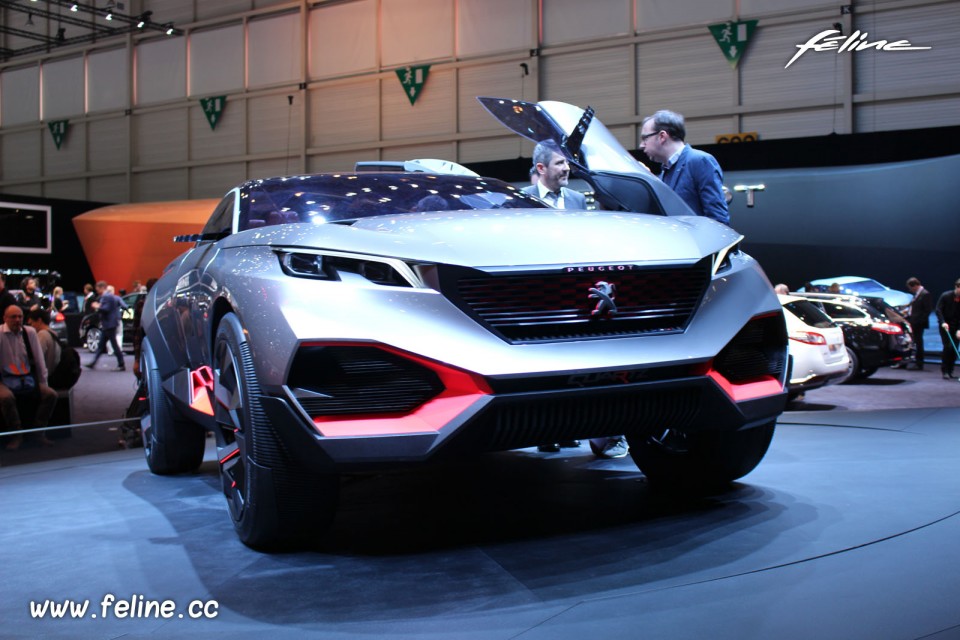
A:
x,y
109,307
694,175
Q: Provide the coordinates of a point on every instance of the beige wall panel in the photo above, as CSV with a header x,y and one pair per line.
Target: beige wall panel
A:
x,y
683,74
160,137
21,154
34,189
600,79
62,88
482,29
207,10
663,14
795,123
161,70
764,79
213,181
433,114
159,186
273,56
626,135
108,80
66,190
701,131
335,50
344,161
224,141
761,7
493,149
345,113
907,114
70,157
501,80
108,189
414,31
274,124
216,60
441,150
271,168
575,20
19,96
936,68
108,143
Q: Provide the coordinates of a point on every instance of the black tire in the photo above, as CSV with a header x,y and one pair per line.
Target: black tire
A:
x,y
700,462
92,339
274,504
170,444
853,372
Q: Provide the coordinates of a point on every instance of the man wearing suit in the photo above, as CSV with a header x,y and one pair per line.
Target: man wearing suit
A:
x,y
948,315
554,172
919,317
694,175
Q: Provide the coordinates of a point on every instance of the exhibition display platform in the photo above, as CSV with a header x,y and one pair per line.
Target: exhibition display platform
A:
x,y
847,529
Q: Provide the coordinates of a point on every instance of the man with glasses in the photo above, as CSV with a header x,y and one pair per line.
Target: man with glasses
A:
x,y
948,315
693,174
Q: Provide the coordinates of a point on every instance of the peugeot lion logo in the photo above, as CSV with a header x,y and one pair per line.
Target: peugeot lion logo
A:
x,y
603,293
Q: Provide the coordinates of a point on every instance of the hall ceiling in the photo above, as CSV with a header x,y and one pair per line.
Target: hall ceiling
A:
x,y
31,27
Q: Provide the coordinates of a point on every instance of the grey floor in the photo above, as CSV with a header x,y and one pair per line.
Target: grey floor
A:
x,y
848,529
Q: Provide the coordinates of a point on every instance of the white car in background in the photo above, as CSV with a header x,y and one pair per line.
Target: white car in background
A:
x,y
815,346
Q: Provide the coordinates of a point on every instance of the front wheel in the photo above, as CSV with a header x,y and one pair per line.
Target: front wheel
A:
x,y
700,462
273,502
170,444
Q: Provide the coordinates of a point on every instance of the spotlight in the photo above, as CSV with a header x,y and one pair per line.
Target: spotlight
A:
x,y
169,28
144,19
109,15
61,34
75,8
29,20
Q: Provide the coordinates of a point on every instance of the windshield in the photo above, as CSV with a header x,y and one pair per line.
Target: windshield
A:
x,y
809,313
863,286
327,198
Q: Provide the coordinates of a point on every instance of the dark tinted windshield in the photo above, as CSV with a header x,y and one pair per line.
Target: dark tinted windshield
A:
x,y
335,197
809,313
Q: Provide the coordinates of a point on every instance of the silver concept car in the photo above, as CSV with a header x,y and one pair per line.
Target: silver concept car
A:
x,y
349,322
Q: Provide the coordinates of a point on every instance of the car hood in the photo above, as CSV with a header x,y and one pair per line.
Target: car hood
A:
x,y
508,237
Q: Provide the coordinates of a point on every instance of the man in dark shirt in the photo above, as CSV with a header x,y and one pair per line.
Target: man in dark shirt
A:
x,y
948,315
919,317
6,298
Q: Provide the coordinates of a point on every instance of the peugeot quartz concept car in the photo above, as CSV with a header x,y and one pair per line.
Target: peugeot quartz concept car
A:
x,y
355,322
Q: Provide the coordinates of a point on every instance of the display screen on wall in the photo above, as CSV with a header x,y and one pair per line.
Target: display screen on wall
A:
x,y
24,228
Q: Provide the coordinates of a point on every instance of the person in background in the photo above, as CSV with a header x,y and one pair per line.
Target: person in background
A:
x,y
49,344
6,298
694,175
918,315
781,289
59,303
20,366
29,298
109,307
948,315
138,333
554,174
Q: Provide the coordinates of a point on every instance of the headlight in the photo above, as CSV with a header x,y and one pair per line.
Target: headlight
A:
x,y
330,266
722,260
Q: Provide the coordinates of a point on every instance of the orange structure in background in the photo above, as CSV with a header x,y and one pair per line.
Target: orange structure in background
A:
x,y
127,242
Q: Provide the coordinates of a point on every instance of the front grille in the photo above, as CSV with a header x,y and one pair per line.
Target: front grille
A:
x,y
541,307
759,349
359,380
597,413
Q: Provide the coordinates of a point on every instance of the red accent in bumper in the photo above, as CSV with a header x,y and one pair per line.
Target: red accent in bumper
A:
x,y
750,390
201,387
461,389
